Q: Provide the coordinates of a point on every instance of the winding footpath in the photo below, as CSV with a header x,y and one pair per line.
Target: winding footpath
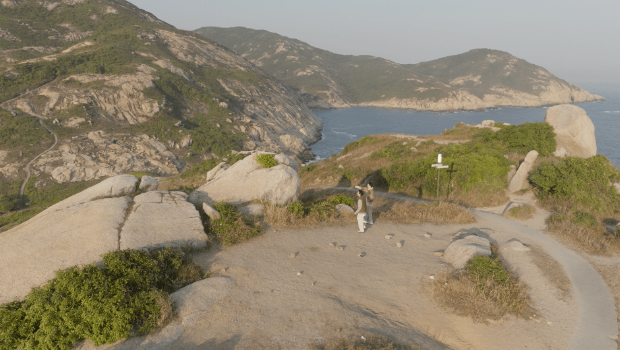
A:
x,y
597,323
27,167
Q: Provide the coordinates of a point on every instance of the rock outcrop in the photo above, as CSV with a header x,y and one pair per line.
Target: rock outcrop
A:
x,y
99,154
246,181
98,220
574,131
463,249
519,181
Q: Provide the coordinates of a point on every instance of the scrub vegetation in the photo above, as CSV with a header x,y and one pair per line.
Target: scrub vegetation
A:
x,y
129,295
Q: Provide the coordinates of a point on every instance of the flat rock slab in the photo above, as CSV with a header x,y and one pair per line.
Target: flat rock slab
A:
x,y
160,219
31,252
193,301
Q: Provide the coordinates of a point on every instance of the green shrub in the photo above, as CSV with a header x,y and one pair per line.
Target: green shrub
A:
x,y
103,305
343,199
473,165
579,183
322,210
488,268
523,138
297,208
584,218
231,227
266,160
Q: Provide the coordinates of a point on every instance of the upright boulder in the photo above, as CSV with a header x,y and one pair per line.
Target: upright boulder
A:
x,y
574,131
247,180
519,181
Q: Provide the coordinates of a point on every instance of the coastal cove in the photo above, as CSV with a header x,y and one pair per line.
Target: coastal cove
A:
x,y
341,126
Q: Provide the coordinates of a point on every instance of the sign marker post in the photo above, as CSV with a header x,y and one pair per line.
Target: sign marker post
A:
x,y
439,166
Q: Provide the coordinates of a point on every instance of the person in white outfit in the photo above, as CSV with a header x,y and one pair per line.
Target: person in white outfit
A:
x,y
370,197
361,210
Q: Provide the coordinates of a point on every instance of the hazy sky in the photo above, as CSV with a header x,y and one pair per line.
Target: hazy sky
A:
x,y
576,40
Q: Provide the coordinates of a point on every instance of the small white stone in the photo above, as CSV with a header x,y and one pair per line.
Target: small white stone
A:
x,y
388,236
299,273
339,249
432,277
549,323
399,245
428,235
292,255
332,244
362,254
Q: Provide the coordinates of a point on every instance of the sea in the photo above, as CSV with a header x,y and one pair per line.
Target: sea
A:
x,y
341,126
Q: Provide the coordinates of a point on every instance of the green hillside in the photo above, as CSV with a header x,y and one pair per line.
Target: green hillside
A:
x,y
366,79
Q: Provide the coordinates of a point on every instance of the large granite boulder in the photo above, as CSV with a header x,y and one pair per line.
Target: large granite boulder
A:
x,y
78,230
573,129
463,249
159,219
519,181
247,180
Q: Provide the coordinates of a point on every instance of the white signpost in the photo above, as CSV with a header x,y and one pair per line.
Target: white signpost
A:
x,y
439,166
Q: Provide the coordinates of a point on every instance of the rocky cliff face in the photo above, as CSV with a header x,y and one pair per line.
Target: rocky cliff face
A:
x,y
127,92
473,80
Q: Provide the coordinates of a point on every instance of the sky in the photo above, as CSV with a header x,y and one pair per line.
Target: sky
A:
x,y
578,41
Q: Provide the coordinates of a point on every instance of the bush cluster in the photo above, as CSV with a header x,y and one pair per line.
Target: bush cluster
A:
x,y
266,160
231,227
580,183
523,138
473,165
343,199
131,293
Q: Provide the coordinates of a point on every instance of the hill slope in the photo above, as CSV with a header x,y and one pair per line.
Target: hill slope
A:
x,y
125,91
476,79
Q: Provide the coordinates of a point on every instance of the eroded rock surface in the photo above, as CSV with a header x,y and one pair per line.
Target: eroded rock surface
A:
x,y
99,154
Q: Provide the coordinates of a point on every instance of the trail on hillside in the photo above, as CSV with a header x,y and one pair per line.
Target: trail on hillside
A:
x,y
27,167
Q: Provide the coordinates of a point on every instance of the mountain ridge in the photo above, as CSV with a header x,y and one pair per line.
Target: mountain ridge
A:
x,y
125,92
477,79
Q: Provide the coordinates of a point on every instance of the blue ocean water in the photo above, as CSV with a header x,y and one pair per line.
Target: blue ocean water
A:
x,y
341,126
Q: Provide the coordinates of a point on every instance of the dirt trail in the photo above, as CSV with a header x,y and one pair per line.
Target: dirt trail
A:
x,y
27,167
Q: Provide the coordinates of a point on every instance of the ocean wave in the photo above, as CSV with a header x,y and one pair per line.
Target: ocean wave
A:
x,y
611,111
343,133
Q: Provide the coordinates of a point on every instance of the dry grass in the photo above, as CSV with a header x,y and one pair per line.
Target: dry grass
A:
x,y
416,213
372,342
593,240
280,216
478,199
553,272
524,212
481,298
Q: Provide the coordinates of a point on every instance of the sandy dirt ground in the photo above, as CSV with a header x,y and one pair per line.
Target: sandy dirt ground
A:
x,y
284,302
297,288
